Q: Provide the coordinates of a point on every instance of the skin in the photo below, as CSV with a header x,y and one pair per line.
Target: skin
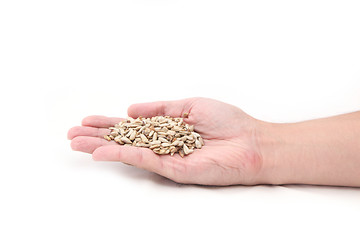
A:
x,y
239,149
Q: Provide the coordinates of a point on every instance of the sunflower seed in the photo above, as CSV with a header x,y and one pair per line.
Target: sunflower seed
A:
x,y
154,146
114,134
133,135
201,141
155,136
118,140
125,140
143,138
140,144
163,140
175,143
156,142
165,144
171,132
186,149
198,144
129,133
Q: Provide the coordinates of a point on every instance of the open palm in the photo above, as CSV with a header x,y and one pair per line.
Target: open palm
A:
x,y
230,156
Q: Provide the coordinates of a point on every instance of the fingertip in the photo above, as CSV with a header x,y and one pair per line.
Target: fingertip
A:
x,y
97,155
131,111
76,144
107,153
89,144
89,120
149,109
72,132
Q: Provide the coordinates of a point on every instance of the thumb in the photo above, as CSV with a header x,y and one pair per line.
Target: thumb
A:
x,y
161,108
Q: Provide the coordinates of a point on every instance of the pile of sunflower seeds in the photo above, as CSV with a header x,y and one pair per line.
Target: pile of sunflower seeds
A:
x,y
162,134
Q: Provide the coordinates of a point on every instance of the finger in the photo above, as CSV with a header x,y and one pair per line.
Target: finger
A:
x,y
173,167
161,108
89,144
87,131
100,121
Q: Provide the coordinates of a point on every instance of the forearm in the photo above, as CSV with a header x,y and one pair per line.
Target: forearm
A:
x,y
323,151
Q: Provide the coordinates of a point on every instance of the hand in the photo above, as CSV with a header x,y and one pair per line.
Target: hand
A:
x,y
231,154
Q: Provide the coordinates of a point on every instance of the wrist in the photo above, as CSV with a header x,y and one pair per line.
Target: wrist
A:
x,y
283,158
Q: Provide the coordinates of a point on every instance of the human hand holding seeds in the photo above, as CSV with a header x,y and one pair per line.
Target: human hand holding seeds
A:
x,y
238,149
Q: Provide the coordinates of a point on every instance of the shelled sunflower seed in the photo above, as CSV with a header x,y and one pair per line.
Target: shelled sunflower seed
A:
x,y
161,134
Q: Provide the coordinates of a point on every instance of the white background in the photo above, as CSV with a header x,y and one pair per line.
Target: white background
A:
x,y
60,61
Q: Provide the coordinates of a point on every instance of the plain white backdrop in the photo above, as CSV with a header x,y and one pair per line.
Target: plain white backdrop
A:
x,y
60,61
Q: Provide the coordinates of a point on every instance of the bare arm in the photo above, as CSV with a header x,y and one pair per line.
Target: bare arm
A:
x,y
322,151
